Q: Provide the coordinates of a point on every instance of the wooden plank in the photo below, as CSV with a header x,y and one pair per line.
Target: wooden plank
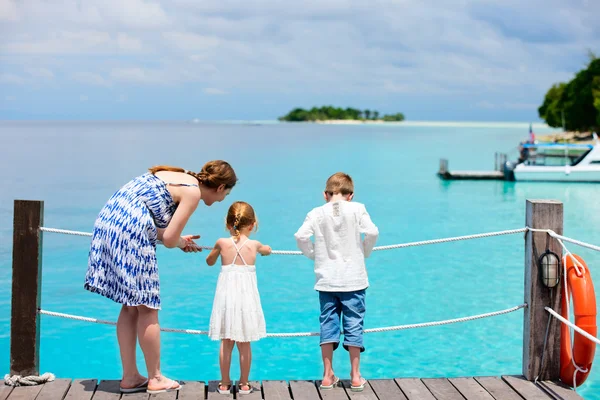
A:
x,y
337,393
135,396
559,391
542,214
366,394
386,389
498,388
442,389
26,288
108,390
526,389
25,392
5,391
304,390
82,389
213,394
414,389
55,390
190,390
276,390
470,389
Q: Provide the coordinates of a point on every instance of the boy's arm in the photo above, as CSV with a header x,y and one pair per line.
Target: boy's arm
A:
x,y
303,239
263,249
212,258
370,230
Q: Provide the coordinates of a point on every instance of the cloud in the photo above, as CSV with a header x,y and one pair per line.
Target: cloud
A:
x,y
83,98
43,73
121,99
214,91
62,42
191,41
8,10
9,98
128,43
12,79
89,78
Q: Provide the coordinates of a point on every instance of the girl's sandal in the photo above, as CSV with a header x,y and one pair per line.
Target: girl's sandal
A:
x,y
224,391
242,391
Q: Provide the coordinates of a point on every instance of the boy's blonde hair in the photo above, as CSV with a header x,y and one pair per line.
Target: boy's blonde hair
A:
x,y
339,183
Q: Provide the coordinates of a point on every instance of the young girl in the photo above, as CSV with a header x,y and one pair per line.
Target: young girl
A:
x,y
237,315
122,262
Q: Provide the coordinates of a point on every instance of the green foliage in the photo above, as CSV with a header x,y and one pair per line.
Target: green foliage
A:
x,y
577,101
330,113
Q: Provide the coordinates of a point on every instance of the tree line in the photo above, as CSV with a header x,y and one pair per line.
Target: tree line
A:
x,y
575,105
329,113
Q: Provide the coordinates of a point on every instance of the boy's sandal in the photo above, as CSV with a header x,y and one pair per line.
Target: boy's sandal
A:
x,y
174,386
336,380
242,391
224,391
360,387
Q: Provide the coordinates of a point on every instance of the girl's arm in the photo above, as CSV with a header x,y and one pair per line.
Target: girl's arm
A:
x,y
214,255
263,249
171,236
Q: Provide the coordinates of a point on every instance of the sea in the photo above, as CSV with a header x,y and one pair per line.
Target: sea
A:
x,y
74,167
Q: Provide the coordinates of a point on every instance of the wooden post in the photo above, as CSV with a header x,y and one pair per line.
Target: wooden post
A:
x,y
541,214
26,288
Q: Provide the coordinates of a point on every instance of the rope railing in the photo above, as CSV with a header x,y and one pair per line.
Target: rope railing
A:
x,y
377,248
572,325
304,334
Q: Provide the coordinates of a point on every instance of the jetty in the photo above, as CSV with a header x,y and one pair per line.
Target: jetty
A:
x,y
496,174
539,378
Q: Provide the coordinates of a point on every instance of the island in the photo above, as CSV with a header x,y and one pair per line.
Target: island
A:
x,y
330,114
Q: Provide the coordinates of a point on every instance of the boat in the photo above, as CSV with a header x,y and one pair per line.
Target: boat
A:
x,y
558,162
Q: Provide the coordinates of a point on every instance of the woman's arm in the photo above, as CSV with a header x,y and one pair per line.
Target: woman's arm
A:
x,y
171,236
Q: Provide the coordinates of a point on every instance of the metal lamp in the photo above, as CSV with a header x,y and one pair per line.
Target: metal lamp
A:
x,y
549,265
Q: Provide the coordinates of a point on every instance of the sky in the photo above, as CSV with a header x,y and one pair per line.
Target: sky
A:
x,y
436,60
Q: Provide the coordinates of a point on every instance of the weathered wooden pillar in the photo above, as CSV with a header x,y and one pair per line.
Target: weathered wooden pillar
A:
x,y
26,288
541,214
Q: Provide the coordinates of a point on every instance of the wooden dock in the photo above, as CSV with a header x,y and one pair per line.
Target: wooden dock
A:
x,y
541,342
497,174
484,388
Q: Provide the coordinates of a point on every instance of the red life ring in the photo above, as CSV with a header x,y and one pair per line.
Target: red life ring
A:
x,y
584,307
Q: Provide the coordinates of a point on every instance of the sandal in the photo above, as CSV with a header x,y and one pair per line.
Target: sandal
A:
x,y
360,387
174,386
224,391
242,391
136,389
336,380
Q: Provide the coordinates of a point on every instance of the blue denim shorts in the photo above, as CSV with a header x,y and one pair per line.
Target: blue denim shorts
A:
x,y
350,305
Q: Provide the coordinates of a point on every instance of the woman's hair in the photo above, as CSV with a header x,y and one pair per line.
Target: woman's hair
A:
x,y
213,174
240,215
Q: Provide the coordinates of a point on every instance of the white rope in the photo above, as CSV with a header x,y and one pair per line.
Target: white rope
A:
x,y
18,380
378,248
302,334
572,325
565,238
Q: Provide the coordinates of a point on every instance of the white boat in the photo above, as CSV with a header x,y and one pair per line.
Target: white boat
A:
x,y
557,162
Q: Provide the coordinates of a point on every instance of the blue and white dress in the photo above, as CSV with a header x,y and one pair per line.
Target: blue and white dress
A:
x,y
122,261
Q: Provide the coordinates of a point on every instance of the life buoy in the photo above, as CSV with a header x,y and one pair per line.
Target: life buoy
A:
x,y
584,308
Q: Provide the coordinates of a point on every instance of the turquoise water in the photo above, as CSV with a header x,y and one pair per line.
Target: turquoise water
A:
x,y
75,167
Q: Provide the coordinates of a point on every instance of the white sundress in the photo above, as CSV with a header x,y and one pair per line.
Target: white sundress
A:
x,y
237,313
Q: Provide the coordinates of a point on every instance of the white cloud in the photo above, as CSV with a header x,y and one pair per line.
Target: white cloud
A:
x,y
9,98
12,79
8,10
128,43
90,78
122,98
191,41
83,98
43,73
63,42
214,91
138,75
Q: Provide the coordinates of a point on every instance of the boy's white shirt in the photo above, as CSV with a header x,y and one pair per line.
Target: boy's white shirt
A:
x,y
338,250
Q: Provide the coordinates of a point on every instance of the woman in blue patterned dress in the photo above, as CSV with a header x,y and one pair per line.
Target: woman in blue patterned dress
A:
x,y
122,262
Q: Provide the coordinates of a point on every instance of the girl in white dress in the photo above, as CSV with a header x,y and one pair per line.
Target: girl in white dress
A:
x,y
237,315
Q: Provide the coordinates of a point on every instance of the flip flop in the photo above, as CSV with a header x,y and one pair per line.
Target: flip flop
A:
x,y
171,388
336,380
139,388
360,387
240,391
221,391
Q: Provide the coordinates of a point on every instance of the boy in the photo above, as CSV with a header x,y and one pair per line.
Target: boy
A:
x,y
341,276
